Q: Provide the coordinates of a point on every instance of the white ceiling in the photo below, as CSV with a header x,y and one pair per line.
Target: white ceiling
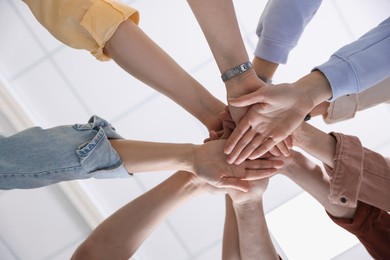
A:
x,y
58,85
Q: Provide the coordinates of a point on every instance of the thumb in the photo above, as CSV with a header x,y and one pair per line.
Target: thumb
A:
x,y
248,99
234,183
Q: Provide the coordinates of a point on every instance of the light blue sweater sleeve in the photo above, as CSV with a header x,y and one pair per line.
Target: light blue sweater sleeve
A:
x,y
280,27
360,64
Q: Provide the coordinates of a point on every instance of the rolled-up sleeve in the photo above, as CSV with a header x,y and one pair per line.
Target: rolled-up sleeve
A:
x,y
358,174
39,157
346,107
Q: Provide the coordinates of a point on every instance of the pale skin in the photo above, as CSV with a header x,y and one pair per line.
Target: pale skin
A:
x,y
275,113
246,235
218,22
138,55
310,177
121,234
206,161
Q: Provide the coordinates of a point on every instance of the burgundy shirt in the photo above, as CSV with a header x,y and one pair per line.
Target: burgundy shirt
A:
x,y
371,226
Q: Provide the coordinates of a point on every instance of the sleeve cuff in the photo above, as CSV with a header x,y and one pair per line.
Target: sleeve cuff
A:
x,y
342,109
341,77
346,176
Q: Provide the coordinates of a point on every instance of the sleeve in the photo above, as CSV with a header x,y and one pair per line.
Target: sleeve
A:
x,y
345,107
360,64
39,157
280,27
358,174
371,226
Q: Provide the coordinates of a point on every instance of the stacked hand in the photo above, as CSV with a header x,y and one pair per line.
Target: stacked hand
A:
x,y
272,116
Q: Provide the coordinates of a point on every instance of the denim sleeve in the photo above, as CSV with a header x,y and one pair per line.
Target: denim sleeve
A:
x,y
280,27
39,157
360,64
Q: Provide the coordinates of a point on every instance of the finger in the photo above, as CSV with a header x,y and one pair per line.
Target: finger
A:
x,y
258,174
289,142
263,148
248,99
263,164
257,140
240,146
282,147
234,183
275,151
237,134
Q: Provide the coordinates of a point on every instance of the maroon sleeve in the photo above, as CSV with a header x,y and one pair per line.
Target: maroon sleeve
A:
x,y
371,226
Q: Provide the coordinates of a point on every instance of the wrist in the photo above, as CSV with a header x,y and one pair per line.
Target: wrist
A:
x,y
243,84
248,205
188,158
316,87
191,183
264,69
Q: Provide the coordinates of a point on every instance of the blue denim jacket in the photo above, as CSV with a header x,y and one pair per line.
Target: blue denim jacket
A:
x,y
39,157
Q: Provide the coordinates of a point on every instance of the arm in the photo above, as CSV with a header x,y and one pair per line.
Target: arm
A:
x,y
346,107
121,234
356,173
230,243
206,161
280,27
360,64
218,22
310,177
137,54
368,223
253,234
280,110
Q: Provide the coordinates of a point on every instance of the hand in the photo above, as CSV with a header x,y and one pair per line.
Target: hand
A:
x,y
239,86
254,194
200,184
228,126
210,164
321,109
275,113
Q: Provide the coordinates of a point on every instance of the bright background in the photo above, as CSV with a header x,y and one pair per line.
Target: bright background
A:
x,y
53,84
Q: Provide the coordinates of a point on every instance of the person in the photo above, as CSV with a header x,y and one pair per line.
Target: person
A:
x,y
39,157
356,173
121,234
108,29
246,234
272,113
370,224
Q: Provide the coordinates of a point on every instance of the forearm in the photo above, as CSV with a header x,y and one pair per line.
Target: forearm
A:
x,y
137,54
264,69
310,177
139,156
230,246
315,142
254,235
218,22
120,235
